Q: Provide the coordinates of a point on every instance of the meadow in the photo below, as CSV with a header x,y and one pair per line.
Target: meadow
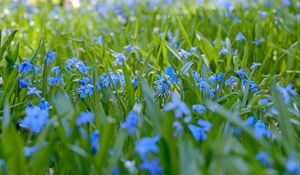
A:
x,y
154,87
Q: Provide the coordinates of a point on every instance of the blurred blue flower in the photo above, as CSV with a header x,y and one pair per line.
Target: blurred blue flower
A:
x,y
184,54
153,167
55,80
262,157
86,90
179,107
50,57
224,51
287,92
286,3
240,37
241,73
257,41
23,83
162,84
84,117
193,49
170,72
95,137
199,108
25,67
82,67
205,125
35,120
28,150
255,65
252,86
230,81
119,58
263,101
44,105
145,145
131,122
261,130
292,165
178,128
250,121
130,48
34,90
197,132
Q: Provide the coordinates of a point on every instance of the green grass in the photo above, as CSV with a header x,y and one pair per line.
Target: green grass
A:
x,y
74,33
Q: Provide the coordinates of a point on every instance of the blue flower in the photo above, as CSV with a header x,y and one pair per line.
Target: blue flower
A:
x,y
250,121
230,81
84,117
199,133
25,67
224,51
262,157
286,3
252,86
261,130
119,58
198,108
292,165
72,62
257,41
202,85
184,54
255,65
171,74
162,84
130,48
240,37
44,105
35,120
23,83
33,90
82,67
153,167
55,80
104,80
28,150
241,73
178,128
95,137
179,107
145,145
287,92
263,101
193,49
134,82
86,90
205,125
56,70
213,78
131,122
50,57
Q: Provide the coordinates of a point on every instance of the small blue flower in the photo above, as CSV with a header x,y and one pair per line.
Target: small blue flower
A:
x,y
261,130
33,90
197,132
44,105
286,3
130,48
257,41
262,157
131,122
84,117
25,67
72,62
55,80
179,107
252,86
119,58
255,65
202,85
287,92
162,84
292,165
250,121
193,49
56,70
178,128
205,125
170,72
199,108
104,80
29,150
95,137
213,78
49,58
86,90
35,120
240,37
153,167
220,77
145,145
230,81
241,73
224,51
263,101
82,67
23,83
184,54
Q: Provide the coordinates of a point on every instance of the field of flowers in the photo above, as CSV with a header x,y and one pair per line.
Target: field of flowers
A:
x,y
154,87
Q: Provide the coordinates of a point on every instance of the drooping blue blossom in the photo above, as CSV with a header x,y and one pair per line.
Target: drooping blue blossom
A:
x,y
184,54
213,78
263,101
240,37
131,122
82,67
197,132
71,63
261,130
130,48
188,119
292,165
179,107
36,69
241,73
255,65
23,83
50,57
146,145
35,120
34,90
56,70
212,92
29,150
193,49
199,108
172,75
287,92
262,158
162,84
224,51
84,118
153,167
286,3
55,80
134,82
230,81
25,66
104,80
119,58
252,86
44,105
178,128
94,138
205,125
202,85
86,90
250,121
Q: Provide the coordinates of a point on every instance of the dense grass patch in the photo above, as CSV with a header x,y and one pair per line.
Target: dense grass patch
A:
x,y
150,87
